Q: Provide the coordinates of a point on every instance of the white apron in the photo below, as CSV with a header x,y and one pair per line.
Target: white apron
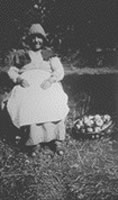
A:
x,y
33,105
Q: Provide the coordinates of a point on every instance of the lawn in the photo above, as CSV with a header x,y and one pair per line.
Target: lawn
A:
x,y
89,168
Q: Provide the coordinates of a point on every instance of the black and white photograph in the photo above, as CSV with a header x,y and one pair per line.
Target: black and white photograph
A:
x,y
58,99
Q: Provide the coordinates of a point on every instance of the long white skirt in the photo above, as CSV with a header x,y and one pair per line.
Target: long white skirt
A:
x,y
33,105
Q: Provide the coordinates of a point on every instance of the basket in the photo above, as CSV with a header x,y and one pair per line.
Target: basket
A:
x,y
93,126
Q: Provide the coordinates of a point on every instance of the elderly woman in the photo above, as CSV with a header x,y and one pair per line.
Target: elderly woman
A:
x,y
38,100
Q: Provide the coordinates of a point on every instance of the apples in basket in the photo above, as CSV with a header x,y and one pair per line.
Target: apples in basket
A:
x,y
93,126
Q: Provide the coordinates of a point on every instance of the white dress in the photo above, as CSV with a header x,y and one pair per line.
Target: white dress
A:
x,y
33,105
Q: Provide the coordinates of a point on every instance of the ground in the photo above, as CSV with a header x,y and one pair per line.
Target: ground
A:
x,y
89,168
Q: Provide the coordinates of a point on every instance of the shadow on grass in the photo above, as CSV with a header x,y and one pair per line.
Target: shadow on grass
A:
x,y
8,132
103,90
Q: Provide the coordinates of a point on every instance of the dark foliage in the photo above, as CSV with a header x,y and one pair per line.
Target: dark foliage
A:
x,y
73,25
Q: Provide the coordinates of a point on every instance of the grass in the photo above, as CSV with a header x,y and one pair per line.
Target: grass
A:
x,y
87,171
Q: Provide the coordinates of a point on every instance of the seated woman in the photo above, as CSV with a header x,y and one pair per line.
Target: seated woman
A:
x,y
38,100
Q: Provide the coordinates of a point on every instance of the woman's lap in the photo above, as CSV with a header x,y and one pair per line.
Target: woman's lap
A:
x,y
35,105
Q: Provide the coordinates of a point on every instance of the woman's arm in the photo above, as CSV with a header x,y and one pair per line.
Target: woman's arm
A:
x,y
14,62
13,73
57,70
56,75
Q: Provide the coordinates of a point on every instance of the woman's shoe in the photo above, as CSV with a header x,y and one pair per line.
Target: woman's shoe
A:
x,y
59,148
33,150
33,154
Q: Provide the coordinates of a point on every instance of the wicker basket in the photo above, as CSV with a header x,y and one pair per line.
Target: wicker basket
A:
x,y
90,129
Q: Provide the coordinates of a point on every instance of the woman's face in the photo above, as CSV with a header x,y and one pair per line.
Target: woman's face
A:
x,y
36,42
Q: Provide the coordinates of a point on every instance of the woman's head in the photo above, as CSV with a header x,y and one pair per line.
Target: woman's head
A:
x,y
36,37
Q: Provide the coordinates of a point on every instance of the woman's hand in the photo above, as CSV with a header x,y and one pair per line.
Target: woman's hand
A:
x,y
22,82
46,84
